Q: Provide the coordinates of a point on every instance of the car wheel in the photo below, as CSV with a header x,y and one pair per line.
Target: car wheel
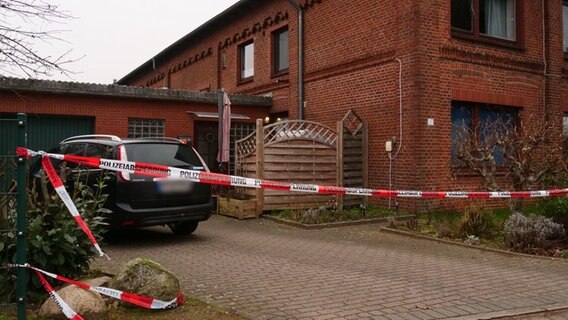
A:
x,y
183,228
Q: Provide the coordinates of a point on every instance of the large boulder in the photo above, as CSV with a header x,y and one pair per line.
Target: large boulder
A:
x,y
88,304
147,278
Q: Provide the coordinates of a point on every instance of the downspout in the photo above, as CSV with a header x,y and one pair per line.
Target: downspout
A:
x,y
300,58
166,84
545,60
546,75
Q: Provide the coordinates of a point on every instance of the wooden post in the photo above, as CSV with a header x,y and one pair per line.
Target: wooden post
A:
x,y
259,165
340,197
365,160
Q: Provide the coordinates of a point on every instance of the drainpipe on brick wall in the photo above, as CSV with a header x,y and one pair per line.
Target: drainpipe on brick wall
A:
x,y
546,75
544,58
300,58
166,80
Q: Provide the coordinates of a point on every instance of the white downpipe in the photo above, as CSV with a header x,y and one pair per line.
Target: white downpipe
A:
x,y
399,142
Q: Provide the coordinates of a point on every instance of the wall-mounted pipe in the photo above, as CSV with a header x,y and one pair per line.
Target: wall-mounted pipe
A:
x,y
166,80
399,142
300,58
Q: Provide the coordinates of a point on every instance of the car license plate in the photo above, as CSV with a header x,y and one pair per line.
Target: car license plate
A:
x,y
174,186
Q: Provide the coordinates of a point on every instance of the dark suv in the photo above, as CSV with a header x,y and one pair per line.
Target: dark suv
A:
x,y
140,201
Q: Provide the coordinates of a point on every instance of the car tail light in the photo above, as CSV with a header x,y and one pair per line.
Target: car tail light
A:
x,y
122,156
127,222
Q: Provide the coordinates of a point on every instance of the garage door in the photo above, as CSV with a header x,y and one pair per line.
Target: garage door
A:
x,y
44,132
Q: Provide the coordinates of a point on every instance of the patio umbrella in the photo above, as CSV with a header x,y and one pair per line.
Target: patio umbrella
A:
x,y
223,155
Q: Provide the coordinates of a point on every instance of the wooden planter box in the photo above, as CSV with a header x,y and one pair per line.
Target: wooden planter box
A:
x,y
241,209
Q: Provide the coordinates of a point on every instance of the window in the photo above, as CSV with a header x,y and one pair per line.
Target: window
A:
x,y
98,151
280,51
483,19
146,128
565,24
246,61
477,118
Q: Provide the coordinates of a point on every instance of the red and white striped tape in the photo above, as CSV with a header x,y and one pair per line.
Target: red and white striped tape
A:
x,y
141,301
159,171
67,311
64,195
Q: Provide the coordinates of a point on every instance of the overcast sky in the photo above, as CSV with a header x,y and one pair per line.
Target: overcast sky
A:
x,y
116,36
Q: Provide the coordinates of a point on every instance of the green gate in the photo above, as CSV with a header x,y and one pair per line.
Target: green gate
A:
x,y
45,132
13,133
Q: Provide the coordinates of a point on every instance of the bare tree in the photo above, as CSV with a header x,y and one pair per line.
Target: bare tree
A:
x,y
524,153
22,24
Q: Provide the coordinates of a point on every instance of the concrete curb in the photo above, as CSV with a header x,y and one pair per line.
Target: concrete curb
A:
x,y
505,314
459,244
336,224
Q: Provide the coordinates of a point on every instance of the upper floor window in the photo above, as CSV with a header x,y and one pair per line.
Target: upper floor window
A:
x,y
280,51
246,61
565,24
485,18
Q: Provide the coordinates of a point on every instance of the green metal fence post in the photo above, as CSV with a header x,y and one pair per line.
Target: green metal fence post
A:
x,y
21,273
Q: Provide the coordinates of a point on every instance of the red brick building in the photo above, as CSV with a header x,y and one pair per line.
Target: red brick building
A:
x,y
409,68
57,110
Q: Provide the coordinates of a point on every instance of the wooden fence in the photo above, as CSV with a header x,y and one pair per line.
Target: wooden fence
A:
x,y
302,152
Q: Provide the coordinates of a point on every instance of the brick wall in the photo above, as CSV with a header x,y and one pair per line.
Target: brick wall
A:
x,y
352,47
112,113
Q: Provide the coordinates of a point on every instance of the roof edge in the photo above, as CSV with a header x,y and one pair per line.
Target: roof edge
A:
x,y
182,40
113,90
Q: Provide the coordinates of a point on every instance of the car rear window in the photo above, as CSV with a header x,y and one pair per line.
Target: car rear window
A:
x,y
173,155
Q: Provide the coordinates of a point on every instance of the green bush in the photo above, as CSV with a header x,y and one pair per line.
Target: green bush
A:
x,y
534,232
54,241
555,208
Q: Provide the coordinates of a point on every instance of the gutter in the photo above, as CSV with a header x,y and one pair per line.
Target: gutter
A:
x,y
300,58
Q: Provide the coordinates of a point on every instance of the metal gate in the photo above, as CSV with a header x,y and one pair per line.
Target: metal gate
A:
x,y
45,132
13,199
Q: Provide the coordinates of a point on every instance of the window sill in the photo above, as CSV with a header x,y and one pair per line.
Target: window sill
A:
x,y
279,73
469,173
245,81
487,40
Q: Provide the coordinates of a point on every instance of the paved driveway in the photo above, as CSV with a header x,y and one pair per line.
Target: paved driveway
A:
x,y
265,270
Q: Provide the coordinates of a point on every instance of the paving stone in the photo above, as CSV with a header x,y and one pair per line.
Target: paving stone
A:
x,y
271,271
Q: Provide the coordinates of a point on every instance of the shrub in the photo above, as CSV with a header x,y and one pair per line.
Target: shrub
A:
x,y
555,208
524,233
475,221
54,241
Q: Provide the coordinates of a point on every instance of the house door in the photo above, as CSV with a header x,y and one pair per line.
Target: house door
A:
x,y
206,143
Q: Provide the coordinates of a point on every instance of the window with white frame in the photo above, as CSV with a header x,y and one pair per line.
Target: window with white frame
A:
x,y
146,128
246,61
485,18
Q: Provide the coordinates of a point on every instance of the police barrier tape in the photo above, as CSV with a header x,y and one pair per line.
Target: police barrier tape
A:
x,y
141,301
65,308
164,172
64,195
